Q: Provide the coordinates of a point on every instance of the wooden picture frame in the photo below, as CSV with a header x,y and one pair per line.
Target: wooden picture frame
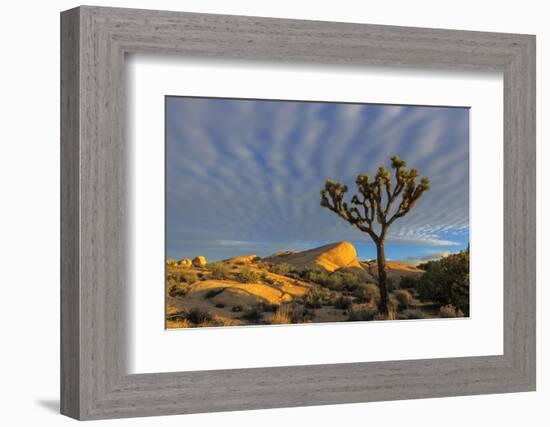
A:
x,y
94,382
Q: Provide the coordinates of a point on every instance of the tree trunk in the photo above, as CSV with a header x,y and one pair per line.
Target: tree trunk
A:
x,y
383,306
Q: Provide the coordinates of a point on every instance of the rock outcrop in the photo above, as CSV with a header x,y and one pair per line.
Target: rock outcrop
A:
x,y
329,257
199,261
185,262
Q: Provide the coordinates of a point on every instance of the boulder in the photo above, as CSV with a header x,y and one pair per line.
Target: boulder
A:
x,y
199,261
185,262
329,257
241,260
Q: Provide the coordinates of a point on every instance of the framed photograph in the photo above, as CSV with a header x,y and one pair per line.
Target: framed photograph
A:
x,y
305,213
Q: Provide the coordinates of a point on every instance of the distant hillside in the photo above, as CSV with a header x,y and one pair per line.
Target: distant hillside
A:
x,y
394,270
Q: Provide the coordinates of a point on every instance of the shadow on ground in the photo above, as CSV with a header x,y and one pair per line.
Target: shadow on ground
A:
x,y
51,405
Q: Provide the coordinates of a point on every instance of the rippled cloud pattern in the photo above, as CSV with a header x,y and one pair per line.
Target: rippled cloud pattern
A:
x,y
243,176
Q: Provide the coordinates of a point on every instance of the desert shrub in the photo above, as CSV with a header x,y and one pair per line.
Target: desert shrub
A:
x,y
391,284
220,305
350,281
178,316
246,275
403,298
218,271
313,298
408,282
362,314
342,303
211,293
198,316
334,281
171,262
369,293
237,308
447,281
253,314
177,291
314,275
281,268
186,277
292,313
449,310
410,314
298,314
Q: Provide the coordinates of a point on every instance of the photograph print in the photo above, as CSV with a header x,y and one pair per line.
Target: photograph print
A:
x,y
284,212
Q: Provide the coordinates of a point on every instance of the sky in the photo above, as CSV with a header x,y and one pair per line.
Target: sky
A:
x,y
243,176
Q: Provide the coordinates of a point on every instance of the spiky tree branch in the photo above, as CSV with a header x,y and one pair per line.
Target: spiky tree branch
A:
x,y
369,204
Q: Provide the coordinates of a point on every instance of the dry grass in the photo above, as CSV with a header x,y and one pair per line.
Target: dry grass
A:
x,y
403,297
449,311
282,316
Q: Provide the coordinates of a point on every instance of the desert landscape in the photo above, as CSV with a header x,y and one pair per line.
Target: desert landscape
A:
x,y
292,212
325,284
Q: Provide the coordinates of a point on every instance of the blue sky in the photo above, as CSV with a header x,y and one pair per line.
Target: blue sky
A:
x,y
243,176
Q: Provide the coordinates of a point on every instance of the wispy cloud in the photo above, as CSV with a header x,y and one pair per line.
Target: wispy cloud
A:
x,y
251,171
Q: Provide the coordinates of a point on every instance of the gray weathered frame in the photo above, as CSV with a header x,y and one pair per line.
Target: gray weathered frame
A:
x,y
94,41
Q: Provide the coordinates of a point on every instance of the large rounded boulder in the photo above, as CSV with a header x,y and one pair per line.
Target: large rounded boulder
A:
x,y
185,262
199,261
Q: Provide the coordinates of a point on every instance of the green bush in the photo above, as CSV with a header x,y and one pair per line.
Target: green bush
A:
x,y
186,277
281,268
218,271
369,293
350,281
246,275
334,281
313,275
408,282
447,281
313,298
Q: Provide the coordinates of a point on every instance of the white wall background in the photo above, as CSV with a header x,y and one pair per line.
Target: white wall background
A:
x,y
29,215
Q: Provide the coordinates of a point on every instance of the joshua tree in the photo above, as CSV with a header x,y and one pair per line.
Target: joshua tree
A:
x,y
373,204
